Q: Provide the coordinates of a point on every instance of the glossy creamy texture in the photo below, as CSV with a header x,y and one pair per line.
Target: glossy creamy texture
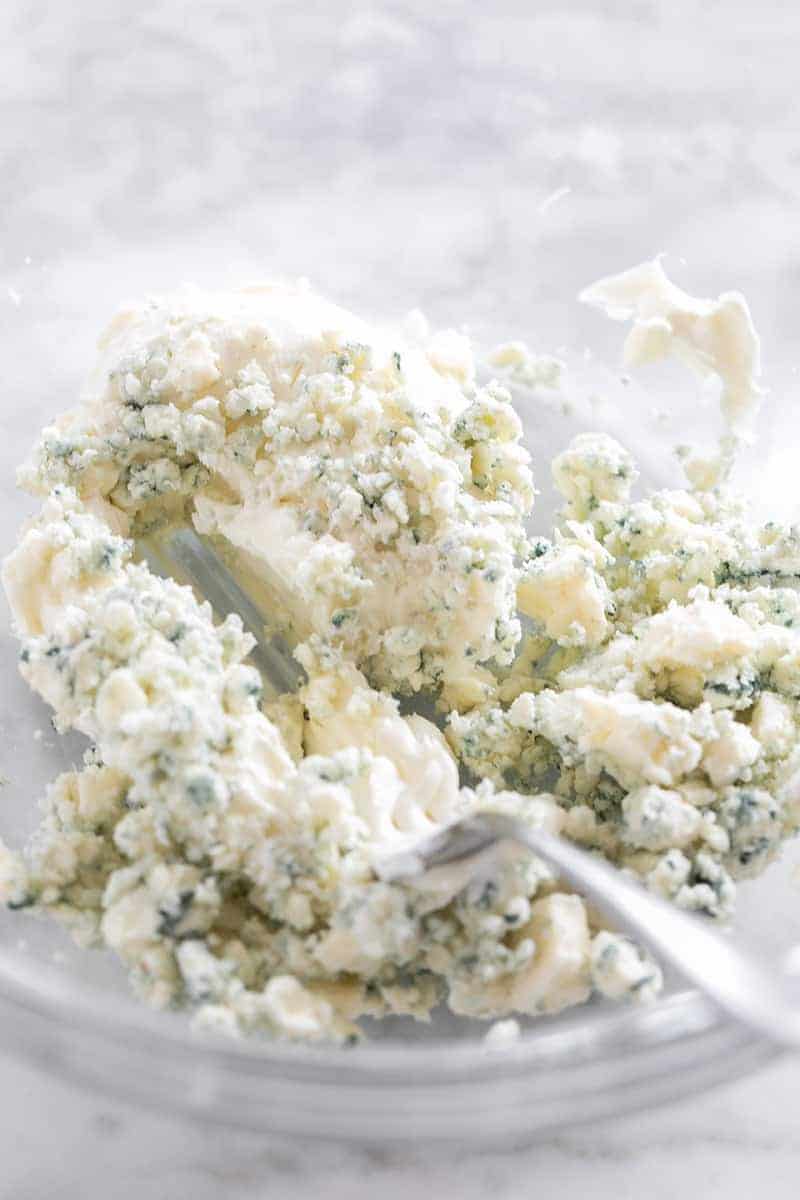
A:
x,y
715,338
224,846
710,336
369,481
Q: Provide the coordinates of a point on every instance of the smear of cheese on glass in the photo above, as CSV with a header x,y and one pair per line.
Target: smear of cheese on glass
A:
x,y
712,337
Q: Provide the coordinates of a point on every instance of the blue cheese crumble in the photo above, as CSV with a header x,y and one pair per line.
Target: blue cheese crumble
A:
x,y
659,693
225,874
223,844
370,482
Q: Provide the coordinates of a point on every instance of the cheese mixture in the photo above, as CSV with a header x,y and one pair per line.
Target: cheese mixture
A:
x,y
223,842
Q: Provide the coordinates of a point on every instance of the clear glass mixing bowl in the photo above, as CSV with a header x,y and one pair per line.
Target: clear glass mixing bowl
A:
x,y
485,162
69,1009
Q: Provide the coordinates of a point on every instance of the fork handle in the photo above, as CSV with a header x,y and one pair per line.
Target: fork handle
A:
x,y
732,978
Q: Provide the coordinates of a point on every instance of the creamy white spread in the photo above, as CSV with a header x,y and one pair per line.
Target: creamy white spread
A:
x,y
370,482
715,338
223,845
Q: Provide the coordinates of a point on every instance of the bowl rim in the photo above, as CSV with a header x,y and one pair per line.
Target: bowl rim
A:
x,y
30,989
602,1064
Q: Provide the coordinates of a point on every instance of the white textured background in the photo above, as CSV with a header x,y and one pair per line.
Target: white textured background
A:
x,y
399,154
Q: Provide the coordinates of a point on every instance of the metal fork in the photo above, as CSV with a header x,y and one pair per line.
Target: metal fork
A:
x,y
736,981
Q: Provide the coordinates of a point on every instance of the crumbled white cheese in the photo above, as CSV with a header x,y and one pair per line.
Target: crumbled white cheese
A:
x,y
369,480
594,468
519,363
502,1035
227,873
225,848
562,592
621,970
667,732
655,819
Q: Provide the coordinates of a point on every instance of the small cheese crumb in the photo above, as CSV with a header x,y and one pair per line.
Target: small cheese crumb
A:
x,y
503,1035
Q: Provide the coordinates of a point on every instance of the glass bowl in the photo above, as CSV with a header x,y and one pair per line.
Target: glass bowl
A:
x,y
69,1009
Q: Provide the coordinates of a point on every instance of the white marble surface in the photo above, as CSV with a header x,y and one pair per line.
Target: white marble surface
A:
x,y
734,1144
483,161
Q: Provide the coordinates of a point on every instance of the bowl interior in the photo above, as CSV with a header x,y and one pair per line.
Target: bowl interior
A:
x,y
595,397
